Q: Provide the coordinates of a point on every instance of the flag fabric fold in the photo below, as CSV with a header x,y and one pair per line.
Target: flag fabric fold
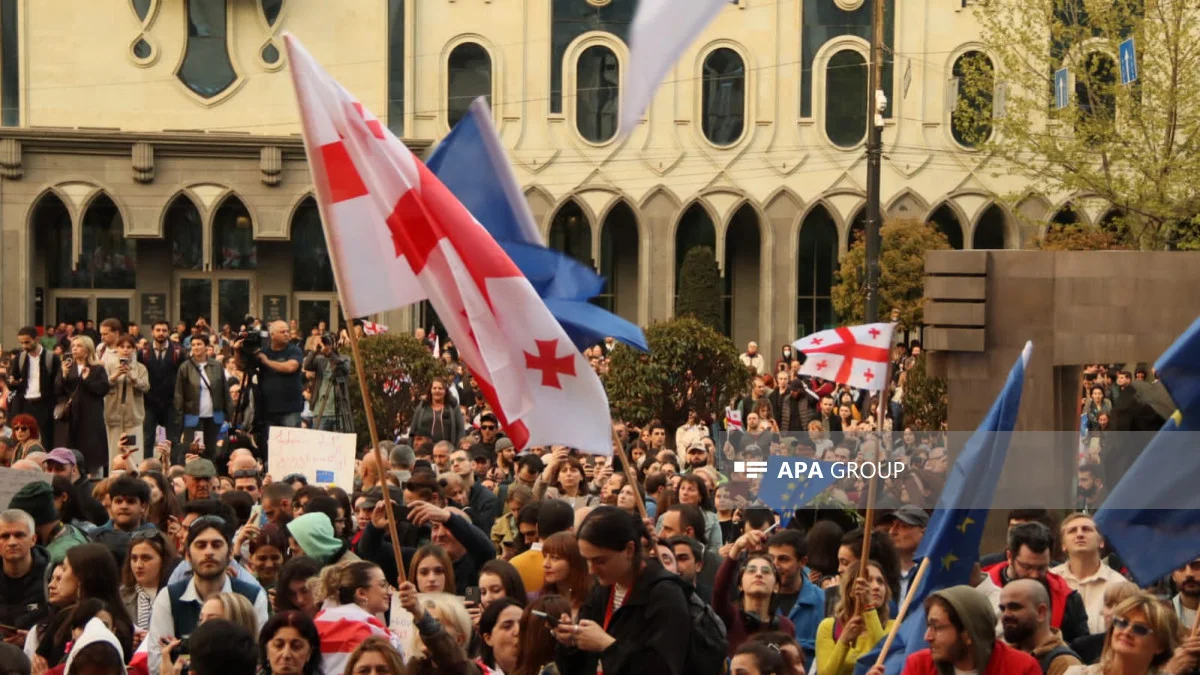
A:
x,y
471,162
952,538
855,355
397,235
796,485
1152,516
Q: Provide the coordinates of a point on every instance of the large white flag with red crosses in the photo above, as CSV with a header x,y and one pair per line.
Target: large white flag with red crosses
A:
x,y
398,236
854,355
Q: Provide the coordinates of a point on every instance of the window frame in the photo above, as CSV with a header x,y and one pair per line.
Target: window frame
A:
x,y
451,47
701,110
571,81
821,85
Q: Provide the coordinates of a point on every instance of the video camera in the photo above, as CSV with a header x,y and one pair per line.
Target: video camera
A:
x,y
251,339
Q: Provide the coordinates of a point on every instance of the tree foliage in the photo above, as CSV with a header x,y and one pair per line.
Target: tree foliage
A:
x,y
1134,146
690,366
399,369
700,288
901,273
1080,238
924,398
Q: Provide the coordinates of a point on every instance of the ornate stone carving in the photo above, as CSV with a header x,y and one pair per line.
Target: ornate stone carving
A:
x,y
10,159
270,162
143,162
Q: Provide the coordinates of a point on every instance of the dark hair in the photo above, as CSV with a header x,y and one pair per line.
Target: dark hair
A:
x,y
510,578
487,623
424,484
13,661
343,500
769,661
241,502
309,492
98,656
528,514
112,324
129,487
78,616
951,613
691,516
27,331
269,535
205,523
578,583
161,322
690,542
304,626
300,568
554,516
538,644
778,640
157,540
220,647
882,551
160,513
758,518
706,500
73,509
1095,470
612,529
323,504
96,569
532,463
569,463
824,538
1034,536
278,491
795,540
198,336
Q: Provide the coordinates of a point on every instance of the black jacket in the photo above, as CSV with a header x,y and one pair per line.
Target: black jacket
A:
x,y
23,601
484,507
652,627
51,365
162,373
92,510
374,546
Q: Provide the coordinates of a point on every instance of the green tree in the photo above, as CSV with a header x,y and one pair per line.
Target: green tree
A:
x,y
1134,146
700,288
391,360
901,273
1079,238
924,398
690,366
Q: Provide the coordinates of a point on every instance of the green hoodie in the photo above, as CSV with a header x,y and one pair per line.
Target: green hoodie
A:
x,y
978,618
314,533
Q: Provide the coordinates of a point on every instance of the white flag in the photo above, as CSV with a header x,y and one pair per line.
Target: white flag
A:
x,y
854,355
661,31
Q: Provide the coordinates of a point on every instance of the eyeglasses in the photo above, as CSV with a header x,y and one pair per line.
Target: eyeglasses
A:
x,y
487,427
21,428
1138,629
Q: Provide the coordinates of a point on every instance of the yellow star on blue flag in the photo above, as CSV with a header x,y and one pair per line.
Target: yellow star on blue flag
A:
x,y
792,483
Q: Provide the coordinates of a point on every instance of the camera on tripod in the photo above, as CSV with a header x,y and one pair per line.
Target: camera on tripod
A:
x,y
251,339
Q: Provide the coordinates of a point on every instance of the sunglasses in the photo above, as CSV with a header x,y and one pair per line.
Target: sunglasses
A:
x,y
1138,629
218,521
147,534
21,429
487,427
245,473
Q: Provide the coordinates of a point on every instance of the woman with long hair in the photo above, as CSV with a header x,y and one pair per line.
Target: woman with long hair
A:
x,y
231,607
147,567
438,416
91,569
757,659
70,508
758,581
289,645
563,478
83,382
628,497
651,632
125,405
536,656
500,632
292,591
498,579
164,504
431,570
268,552
824,539
693,490
352,596
444,628
1141,640
375,656
786,645
565,571
855,628
27,435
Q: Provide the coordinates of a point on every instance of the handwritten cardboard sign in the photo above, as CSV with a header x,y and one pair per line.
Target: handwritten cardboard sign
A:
x,y
323,457
404,628
12,480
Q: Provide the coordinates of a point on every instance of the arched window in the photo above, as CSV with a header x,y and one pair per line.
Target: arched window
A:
x,y
619,262
989,231
1066,216
469,77
52,228
1095,94
975,82
815,268
312,270
724,96
597,93
695,229
946,221
743,257
107,259
571,233
233,237
207,67
184,232
858,228
846,98
395,66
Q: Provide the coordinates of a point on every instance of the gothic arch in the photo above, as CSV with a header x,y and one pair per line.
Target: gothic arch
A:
x,y
909,200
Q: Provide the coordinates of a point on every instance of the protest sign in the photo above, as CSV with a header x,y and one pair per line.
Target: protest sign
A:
x,y
323,457
12,480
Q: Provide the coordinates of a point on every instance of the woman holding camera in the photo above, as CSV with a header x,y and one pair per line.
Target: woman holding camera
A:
x,y
125,404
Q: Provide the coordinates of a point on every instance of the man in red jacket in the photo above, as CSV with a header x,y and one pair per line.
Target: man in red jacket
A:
x,y
960,627
1029,549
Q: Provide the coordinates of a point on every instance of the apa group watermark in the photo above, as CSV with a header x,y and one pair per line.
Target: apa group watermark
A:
x,y
809,469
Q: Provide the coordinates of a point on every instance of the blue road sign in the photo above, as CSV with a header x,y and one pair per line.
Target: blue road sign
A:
x,y
1128,57
1062,96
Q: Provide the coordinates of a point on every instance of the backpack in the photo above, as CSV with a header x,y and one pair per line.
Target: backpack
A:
x,y
1048,658
709,646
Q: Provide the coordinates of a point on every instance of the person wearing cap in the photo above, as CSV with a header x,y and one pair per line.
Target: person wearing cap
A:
x,y
37,499
65,463
906,527
176,610
198,475
312,535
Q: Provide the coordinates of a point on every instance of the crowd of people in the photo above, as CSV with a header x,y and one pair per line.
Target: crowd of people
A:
x,y
541,561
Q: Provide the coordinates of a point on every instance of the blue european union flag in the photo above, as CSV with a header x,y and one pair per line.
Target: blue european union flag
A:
x,y
1152,517
790,487
951,541
470,161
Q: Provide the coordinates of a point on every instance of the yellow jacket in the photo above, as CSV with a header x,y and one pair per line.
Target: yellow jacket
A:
x,y
836,658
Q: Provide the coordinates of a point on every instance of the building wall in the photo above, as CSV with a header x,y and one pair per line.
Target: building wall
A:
x,y
79,70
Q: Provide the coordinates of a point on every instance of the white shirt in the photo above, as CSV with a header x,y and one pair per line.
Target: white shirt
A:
x,y
162,622
33,389
1091,591
206,405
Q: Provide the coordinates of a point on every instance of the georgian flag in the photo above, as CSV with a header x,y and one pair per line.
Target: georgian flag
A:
x,y
855,355
397,236
372,328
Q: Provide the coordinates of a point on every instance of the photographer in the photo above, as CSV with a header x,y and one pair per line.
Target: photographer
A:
x,y
124,405
280,383
328,370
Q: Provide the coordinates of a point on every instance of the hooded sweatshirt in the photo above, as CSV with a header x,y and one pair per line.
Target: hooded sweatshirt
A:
x,y
95,633
314,533
992,656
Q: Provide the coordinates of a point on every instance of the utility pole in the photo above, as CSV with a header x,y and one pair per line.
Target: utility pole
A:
x,y
876,104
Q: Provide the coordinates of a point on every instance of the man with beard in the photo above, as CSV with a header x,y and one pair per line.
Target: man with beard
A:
x,y
960,627
1025,616
176,610
1091,488
1187,601
1084,570
1029,550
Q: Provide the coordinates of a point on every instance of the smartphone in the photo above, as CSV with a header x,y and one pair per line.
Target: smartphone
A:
x,y
552,621
473,595
256,515
129,439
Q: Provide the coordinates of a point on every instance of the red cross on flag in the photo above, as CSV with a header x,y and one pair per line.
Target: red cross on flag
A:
x,y
397,236
854,355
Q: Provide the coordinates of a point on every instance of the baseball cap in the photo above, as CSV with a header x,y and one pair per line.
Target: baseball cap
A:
x,y
200,468
697,447
61,456
908,513
504,443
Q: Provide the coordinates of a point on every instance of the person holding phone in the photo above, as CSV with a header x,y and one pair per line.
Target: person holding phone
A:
x,y
83,383
125,403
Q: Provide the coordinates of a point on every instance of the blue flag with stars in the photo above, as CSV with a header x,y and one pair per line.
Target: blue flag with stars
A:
x,y
951,540
1152,516
791,483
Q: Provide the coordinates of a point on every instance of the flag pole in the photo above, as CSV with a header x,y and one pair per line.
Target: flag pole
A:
x,y
873,482
908,598
630,476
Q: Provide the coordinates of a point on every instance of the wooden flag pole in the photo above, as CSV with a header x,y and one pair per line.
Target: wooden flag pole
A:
x,y
366,397
908,598
630,475
873,484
